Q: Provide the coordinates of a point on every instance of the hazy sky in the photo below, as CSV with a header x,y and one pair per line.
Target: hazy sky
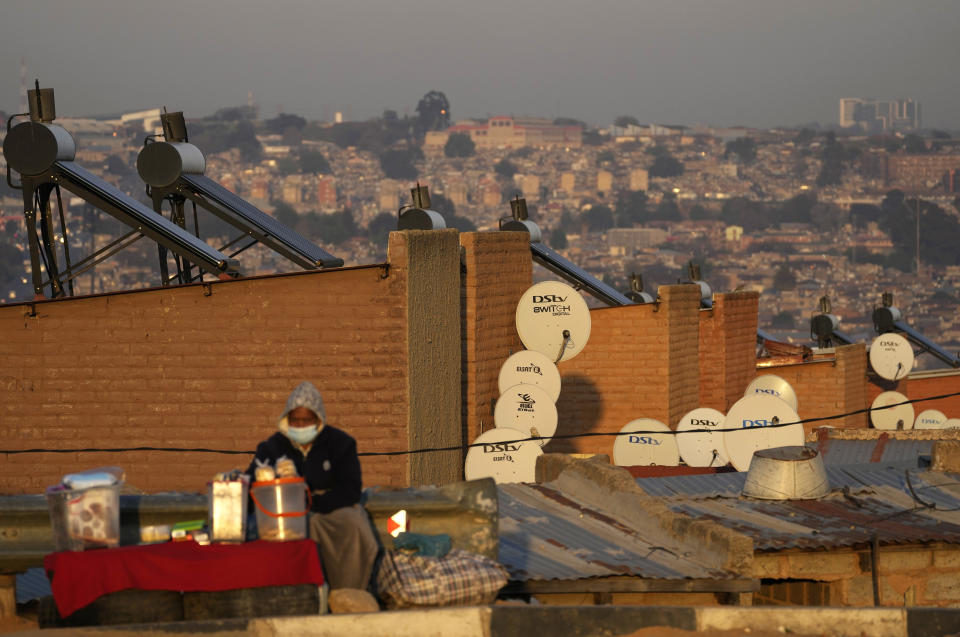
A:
x,y
718,62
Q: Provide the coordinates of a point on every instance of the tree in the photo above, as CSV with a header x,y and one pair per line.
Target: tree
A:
x,y
283,121
666,165
287,165
313,162
914,144
398,164
379,228
459,145
626,120
784,279
505,168
598,218
244,138
805,136
699,213
667,209
605,157
631,208
743,147
285,214
783,321
558,239
433,111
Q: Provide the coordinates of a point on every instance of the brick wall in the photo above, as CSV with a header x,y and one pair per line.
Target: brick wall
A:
x,y
828,387
641,362
497,270
728,336
918,575
201,366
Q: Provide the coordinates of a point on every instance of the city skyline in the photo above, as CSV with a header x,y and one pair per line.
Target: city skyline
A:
x,y
747,62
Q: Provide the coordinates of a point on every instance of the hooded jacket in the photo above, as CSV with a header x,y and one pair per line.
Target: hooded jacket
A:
x,y
330,466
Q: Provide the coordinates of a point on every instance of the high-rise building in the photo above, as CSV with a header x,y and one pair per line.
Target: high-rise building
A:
x,y
873,115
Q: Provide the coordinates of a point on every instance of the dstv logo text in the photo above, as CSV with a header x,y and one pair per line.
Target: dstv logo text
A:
x,y
772,392
644,440
703,423
757,422
500,447
548,298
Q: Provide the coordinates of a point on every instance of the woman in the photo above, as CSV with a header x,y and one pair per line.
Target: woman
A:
x,y
326,458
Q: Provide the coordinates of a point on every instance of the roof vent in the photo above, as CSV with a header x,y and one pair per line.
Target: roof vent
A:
x,y
786,473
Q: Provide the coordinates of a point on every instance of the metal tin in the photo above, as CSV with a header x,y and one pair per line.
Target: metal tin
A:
x,y
786,473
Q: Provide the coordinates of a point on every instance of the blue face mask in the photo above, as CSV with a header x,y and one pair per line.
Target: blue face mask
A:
x,y
302,435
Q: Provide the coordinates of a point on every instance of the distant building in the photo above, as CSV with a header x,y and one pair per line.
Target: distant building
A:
x,y
911,172
879,115
604,181
327,192
639,179
511,132
149,120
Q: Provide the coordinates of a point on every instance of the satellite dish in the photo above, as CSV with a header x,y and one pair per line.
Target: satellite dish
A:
x,y
501,458
930,419
705,447
900,417
891,356
952,423
528,409
772,385
750,420
529,367
553,319
643,449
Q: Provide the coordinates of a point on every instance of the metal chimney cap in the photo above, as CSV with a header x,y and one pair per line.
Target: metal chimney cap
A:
x,y
786,473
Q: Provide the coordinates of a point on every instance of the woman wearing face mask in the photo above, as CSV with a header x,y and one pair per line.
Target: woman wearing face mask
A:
x,y
326,458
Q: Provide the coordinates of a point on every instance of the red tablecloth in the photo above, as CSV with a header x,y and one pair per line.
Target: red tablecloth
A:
x,y
79,578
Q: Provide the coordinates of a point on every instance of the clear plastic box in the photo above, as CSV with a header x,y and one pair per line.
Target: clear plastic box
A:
x,y
85,518
227,510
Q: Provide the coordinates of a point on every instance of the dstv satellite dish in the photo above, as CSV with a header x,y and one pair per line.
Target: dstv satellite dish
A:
x,y
528,409
750,420
500,457
930,419
952,423
772,385
899,417
529,367
553,319
644,449
891,356
705,447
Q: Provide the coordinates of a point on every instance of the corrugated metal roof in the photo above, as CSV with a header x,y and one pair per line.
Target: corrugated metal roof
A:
x,y
865,500
907,453
546,535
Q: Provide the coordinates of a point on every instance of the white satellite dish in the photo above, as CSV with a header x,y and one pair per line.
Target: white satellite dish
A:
x,y
773,385
553,319
642,448
952,423
900,417
498,456
751,418
705,447
930,419
891,356
529,367
528,409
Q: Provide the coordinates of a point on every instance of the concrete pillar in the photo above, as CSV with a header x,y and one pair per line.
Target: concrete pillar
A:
x,y
431,260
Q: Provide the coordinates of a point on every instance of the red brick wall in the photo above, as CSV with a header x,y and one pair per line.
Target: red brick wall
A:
x,y
498,269
728,336
829,387
641,362
200,366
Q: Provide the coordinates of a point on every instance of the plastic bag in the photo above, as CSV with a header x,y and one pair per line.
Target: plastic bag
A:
x,y
99,477
286,468
264,472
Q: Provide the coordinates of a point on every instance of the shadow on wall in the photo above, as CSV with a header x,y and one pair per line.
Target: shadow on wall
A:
x,y
578,411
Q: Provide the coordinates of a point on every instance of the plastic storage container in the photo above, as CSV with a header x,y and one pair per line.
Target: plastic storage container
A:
x,y
281,508
227,510
85,518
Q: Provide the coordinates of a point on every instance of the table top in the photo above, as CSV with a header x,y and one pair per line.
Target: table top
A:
x,y
80,577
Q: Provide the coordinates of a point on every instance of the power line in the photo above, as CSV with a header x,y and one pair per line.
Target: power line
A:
x,y
404,452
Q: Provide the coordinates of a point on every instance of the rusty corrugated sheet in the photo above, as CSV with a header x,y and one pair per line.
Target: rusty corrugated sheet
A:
x,y
546,535
906,453
900,506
